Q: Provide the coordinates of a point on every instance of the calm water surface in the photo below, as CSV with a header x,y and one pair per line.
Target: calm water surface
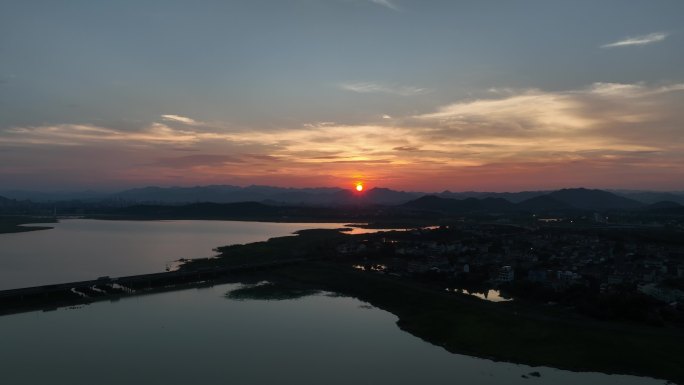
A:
x,y
83,249
199,336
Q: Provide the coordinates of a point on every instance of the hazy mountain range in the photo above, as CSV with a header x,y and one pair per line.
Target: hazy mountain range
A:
x,y
427,206
561,200
566,198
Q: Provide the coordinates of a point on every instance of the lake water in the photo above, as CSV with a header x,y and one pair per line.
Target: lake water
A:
x,y
84,249
200,336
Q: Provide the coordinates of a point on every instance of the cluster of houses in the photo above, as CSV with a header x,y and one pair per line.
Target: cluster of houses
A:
x,y
556,260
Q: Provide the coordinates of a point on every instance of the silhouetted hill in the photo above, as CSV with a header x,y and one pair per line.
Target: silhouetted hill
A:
x,y
563,200
243,211
231,194
8,203
543,203
186,194
585,199
496,204
13,206
390,197
431,202
513,197
422,208
666,208
664,205
303,196
650,197
339,197
447,205
336,197
43,196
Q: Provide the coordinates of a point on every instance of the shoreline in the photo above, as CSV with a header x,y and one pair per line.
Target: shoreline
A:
x,y
432,316
18,224
516,331
424,313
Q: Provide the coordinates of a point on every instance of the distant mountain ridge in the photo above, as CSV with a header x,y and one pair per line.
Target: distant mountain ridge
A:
x,y
514,197
428,206
561,200
5,201
585,199
665,205
651,197
435,203
578,198
42,196
543,203
12,206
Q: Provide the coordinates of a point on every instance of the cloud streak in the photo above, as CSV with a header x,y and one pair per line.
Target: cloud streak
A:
x,y
602,135
82,134
180,119
386,3
377,88
638,40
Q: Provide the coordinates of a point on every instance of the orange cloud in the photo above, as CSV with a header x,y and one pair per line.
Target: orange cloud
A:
x,y
606,135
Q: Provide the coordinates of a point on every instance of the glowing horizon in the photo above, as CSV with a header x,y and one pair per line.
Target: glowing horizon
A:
x,y
292,104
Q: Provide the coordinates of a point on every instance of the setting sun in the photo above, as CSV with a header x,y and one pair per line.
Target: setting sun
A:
x,y
359,187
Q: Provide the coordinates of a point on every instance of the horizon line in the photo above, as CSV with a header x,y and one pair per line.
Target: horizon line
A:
x,y
351,188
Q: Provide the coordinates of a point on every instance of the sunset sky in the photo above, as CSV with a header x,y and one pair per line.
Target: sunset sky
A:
x,y
420,95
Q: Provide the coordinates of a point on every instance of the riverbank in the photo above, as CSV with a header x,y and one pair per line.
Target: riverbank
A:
x,y
514,331
17,224
511,331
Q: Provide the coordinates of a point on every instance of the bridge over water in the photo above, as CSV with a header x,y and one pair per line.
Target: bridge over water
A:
x,y
105,288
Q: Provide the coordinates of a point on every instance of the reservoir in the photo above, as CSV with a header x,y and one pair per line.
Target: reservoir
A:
x,y
201,335
84,249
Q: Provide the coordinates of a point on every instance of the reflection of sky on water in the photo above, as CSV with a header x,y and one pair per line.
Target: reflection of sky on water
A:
x,y
184,336
491,296
82,249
